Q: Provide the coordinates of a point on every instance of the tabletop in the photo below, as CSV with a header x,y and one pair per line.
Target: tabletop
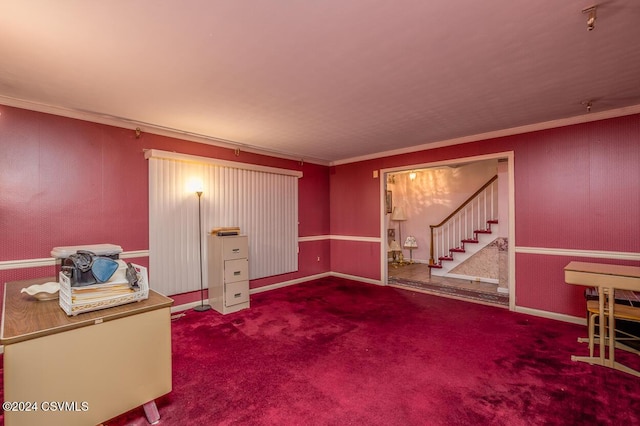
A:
x,y
25,318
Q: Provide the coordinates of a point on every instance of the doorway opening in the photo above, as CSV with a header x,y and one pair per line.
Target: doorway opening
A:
x,y
442,234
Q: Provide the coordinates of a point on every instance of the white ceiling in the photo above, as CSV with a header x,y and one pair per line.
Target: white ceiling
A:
x,y
323,80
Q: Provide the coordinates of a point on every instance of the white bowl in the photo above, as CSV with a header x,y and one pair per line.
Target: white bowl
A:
x,y
46,291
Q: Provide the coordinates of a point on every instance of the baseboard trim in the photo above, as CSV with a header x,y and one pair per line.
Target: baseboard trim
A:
x,y
356,278
470,278
288,283
551,315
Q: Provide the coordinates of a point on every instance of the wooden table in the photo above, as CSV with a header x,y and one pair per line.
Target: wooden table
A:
x,y
607,279
85,369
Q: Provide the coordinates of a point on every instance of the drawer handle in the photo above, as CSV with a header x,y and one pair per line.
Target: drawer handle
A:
x,y
235,250
237,295
236,273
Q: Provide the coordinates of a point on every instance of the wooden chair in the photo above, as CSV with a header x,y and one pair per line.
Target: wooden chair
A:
x,y
621,312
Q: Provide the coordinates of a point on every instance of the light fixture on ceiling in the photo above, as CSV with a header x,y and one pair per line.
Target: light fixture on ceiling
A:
x,y
591,17
412,175
588,104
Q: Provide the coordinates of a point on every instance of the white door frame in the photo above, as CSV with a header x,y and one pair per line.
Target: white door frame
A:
x,y
384,272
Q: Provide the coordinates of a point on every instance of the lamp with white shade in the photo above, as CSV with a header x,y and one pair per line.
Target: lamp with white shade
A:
x,y
411,243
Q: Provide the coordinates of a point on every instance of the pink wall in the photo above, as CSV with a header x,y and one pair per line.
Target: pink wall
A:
x,y
68,182
576,187
71,182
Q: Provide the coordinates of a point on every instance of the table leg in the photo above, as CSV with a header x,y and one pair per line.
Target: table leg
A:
x,y
603,328
151,411
612,327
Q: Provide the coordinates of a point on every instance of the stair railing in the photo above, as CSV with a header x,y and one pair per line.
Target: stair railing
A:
x,y
472,215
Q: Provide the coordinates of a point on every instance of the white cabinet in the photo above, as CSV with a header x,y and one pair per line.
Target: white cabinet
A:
x,y
228,272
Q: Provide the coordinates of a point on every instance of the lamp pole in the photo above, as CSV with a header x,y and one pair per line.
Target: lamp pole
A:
x,y
202,306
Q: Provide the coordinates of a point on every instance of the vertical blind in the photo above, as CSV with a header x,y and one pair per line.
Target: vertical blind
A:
x,y
262,201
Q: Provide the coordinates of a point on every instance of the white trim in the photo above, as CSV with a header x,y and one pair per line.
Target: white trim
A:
x,y
355,238
166,155
6,265
135,253
340,238
125,123
185,306
288,283
435,164
26,263
470,278
356,278
586,118
313,238
618,255
551,315
190,305
511,276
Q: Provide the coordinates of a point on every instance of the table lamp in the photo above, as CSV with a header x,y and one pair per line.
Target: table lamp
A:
x,y
411,243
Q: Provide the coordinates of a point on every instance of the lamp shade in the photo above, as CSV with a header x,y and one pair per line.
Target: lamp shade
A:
x,y
394,246
411,242
398,214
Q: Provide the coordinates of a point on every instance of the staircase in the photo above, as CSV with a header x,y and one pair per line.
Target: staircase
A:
x,y
465,231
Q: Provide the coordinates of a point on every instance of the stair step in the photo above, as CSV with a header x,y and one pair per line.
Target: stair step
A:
x,y
445,258
483,231
493,221
458,250
469,240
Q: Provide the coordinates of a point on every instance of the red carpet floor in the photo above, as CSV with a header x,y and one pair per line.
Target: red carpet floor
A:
x,y
336,352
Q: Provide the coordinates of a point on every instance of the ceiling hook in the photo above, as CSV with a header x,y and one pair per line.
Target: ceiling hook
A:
x,y
591,18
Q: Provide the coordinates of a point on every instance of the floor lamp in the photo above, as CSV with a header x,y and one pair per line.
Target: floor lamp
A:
x,y
398,216
202,306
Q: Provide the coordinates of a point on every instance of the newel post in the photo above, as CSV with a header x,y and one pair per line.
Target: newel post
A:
x,y
431,259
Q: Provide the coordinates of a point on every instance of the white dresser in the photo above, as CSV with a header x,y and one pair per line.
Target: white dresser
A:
x,y
228,272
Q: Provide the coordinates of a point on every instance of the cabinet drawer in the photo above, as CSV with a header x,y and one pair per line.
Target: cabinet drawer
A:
x,y
236,270
234,248
236,293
